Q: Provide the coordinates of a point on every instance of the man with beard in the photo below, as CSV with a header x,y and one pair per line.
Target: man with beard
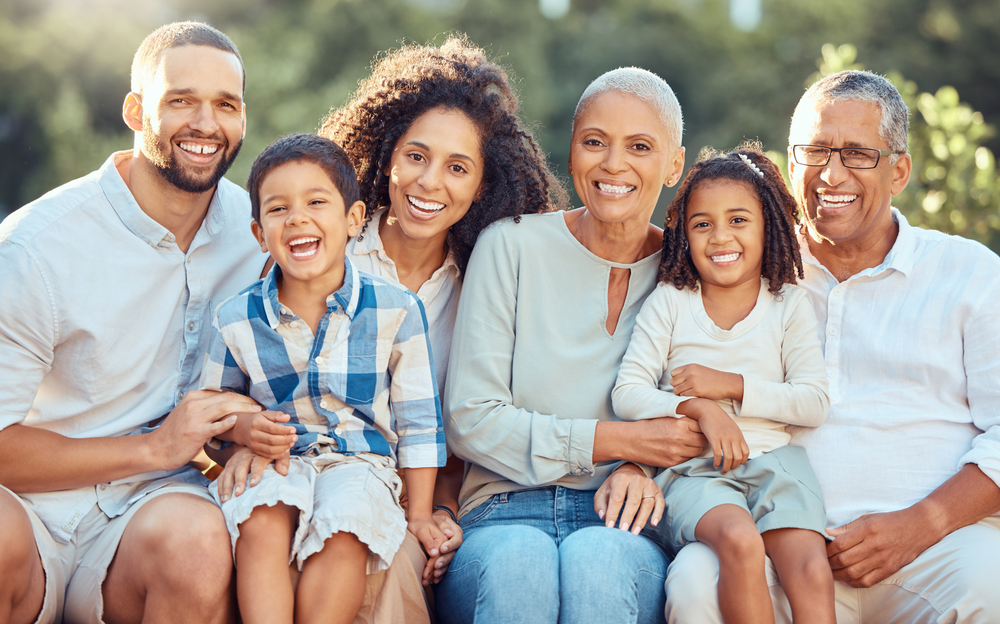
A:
x,y
106,296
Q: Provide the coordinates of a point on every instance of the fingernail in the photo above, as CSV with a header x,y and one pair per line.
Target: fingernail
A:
x,y
600,514
655,521
610,524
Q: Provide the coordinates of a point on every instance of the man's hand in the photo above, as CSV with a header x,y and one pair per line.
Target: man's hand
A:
x,y
695,380
200,416
262,433
875,546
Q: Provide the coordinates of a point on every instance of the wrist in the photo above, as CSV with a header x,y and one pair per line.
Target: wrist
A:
x,y
447,510
736,386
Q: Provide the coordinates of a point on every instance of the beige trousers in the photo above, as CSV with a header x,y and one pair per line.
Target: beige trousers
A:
x,y
954,581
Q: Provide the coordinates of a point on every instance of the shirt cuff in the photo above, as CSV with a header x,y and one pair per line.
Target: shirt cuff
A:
x,y
581,447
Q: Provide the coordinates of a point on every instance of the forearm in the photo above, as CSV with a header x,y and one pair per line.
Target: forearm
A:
x,y
66,463
419,491
448,483
964,499
661,442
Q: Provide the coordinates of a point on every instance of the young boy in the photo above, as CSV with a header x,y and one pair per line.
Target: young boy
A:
x,y
345,357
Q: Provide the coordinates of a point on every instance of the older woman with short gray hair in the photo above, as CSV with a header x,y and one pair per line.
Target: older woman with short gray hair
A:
x,y
547,310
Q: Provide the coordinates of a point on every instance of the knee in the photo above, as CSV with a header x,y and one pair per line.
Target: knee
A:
x,y
815,572
692,580
633,554
739,544
268,524
187,543
18,552
513,551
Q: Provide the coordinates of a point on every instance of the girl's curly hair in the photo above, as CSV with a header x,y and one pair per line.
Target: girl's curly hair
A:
x,y
782,262
408,82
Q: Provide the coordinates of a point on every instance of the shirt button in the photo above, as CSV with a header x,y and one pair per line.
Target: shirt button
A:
x,y
189,260
836,293
322,404
833,331
180,395
102,487
294,324
284,310
190,324
319,359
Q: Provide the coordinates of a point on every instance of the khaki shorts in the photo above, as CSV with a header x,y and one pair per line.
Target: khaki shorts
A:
x,y
778,489
75,572
334,493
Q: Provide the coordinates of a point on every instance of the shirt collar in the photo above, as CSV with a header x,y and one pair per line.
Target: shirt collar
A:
x,y
347,295
900,257
137,221
128,210
369,242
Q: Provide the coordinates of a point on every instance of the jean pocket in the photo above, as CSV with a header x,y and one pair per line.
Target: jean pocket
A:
x,y
480,513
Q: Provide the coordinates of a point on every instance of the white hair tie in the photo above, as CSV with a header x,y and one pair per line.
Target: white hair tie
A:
x,y
751,165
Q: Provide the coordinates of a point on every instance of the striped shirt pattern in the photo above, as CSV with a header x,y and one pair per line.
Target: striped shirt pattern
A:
x,y
364,384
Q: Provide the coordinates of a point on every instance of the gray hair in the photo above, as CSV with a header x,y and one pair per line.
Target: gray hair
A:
x,y
644,85
862,86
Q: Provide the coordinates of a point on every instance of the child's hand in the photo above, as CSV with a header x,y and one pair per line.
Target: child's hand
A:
x,y
426,529
244,469
723,434
437,566
695,380
262,434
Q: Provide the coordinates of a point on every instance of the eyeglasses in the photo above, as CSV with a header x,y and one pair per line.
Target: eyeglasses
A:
x,y
852,157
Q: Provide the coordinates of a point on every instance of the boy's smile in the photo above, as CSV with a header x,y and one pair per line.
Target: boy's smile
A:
x,y
305,227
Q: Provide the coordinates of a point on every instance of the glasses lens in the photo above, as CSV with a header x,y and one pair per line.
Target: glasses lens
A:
x,y
860,158
812,154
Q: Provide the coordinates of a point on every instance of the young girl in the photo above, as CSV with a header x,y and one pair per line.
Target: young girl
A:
x,y
726,339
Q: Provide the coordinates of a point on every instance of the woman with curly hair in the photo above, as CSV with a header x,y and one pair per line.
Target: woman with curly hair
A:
x,y
440,153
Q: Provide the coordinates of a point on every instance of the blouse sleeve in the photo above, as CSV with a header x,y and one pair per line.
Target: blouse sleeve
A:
x,y
802,399
637,394
483,426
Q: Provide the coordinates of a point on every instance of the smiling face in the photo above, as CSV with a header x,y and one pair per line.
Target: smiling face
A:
x,y
193,117
846,207
304,226
435,174
725,231
621,158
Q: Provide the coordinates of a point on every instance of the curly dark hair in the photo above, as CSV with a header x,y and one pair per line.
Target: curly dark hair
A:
x,y
414,79
782,262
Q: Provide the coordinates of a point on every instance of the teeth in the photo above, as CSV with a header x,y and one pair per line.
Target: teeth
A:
x,y
620,190
303,241
195,148
835,201
425,206
725,258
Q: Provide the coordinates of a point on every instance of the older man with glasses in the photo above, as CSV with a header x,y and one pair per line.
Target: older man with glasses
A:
x,y
909,458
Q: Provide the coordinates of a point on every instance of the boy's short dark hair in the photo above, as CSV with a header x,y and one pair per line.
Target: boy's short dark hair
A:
x,y
329,156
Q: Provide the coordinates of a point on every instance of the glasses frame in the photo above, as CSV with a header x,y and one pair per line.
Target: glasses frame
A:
x,y
878,159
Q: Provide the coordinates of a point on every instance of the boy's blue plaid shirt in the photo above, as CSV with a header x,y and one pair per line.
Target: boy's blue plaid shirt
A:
x,y
365,384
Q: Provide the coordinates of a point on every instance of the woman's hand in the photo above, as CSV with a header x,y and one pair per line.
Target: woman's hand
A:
x,y
436,566
629,491
244,469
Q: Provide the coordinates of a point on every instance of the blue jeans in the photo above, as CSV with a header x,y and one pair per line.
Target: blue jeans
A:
x,y
544,556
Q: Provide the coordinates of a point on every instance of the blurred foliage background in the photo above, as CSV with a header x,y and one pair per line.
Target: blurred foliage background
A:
x,y
738,67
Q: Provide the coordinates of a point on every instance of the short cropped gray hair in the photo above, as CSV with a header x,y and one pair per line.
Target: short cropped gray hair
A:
x,y
862,86
644,85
